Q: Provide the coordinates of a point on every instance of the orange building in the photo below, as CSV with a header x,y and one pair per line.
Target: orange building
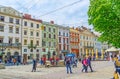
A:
x,y
74,41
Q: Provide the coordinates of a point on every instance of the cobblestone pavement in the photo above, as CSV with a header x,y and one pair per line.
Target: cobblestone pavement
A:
x,y
102,70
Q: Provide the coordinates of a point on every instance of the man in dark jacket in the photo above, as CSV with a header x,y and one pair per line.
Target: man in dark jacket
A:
x,y
68,64
89,64
34,65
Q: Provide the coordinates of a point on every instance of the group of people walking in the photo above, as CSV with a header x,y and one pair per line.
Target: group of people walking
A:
x,y
86,62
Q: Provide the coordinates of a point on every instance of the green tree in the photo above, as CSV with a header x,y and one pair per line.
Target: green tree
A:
x,y
104,15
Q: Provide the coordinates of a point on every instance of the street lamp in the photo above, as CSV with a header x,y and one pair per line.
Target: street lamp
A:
x,y
3,48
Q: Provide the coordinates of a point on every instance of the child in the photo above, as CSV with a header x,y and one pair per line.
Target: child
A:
x,y
116,76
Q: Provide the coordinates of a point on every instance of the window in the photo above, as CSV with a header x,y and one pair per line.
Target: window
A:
x,y
10,40
67,40
17,40
49,44
31,33
25,42
37,42
49,35
31,50
63,34
81,37
17,21
37,50
67,34
10,29
1,18
43,50
25,23
63,47
80,43
44,28
25,32
59,39
11,20
49,29
37,25
31,42
1,40
54,37
59,33
44,35
25,50
67,47
17,30
63,40
43,43
31,24
54,30
59,46
1,28
37,34
54,44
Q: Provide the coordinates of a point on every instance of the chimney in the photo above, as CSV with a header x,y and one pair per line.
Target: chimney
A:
x,y
52,22
40,21
28,16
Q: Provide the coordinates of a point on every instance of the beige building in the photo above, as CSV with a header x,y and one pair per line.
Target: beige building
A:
x,y
87,41
10,33
31,38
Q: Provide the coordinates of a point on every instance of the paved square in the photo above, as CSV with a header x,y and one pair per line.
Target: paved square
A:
x,y
103,70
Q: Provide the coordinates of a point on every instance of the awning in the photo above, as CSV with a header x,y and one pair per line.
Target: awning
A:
x,y
112,49
64,51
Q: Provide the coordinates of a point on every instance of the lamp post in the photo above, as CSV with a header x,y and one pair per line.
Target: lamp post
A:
x,y
2,50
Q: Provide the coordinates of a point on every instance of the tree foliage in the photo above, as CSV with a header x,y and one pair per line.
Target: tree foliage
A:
x,y
104,15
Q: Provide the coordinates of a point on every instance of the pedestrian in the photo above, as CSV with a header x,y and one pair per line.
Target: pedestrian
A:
x,y
85,64
68,64
117,65
116,76
34,65
0,60
89,64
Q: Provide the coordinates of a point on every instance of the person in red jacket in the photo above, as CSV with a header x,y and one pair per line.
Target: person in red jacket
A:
x,y
85,64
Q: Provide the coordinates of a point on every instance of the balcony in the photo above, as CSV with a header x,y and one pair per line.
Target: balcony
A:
x,y
10,44
88,46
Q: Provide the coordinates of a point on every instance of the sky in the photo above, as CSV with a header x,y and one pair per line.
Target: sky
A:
x,y
74,15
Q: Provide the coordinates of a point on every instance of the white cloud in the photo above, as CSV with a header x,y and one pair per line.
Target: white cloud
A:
x,y
75,15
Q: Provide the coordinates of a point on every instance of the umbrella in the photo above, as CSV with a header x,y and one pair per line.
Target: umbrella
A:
x,y
70,55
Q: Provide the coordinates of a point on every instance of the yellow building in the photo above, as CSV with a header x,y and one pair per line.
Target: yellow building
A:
x,y
87,41
31,38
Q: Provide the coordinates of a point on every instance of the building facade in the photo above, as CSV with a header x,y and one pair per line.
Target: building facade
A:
x,y
87,41
31,38
49,39
63,39
10,33
74,41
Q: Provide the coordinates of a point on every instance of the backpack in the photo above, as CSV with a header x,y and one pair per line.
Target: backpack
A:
x,y
68,60
84,61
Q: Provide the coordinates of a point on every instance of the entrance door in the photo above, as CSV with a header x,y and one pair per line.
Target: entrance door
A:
x,y
24,58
